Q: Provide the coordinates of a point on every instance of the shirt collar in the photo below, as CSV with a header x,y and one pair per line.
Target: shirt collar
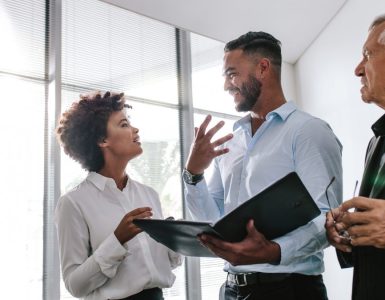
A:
x,y
379,126
100,181
282,112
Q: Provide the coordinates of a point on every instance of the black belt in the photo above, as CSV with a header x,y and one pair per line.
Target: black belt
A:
x,y
154,293
243,279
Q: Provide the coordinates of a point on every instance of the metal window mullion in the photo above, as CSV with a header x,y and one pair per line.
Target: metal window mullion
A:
x,y
51,265
186,129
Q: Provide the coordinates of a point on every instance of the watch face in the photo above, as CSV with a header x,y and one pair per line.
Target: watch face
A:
x,y
187,176
190,178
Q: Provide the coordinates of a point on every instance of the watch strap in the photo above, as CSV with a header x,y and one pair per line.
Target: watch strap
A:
x,y
190,178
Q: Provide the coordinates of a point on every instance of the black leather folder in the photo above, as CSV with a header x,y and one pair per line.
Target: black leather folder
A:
x,y
280,208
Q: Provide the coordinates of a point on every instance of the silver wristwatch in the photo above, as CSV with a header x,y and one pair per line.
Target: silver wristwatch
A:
x,y
189,178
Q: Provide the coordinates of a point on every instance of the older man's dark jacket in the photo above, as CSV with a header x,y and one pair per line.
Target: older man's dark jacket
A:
x,y
369,262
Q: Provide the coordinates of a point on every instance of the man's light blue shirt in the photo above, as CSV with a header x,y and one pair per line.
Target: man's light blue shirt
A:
x,y
289,140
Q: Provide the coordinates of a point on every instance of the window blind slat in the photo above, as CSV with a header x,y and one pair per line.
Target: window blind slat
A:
x,y
22,37
112,48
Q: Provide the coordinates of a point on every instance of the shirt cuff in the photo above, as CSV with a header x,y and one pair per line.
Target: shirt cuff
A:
x,y
109,255
175,259
303,241
287,245
195,190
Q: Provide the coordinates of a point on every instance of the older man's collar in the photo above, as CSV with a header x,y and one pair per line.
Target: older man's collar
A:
x,y
379,127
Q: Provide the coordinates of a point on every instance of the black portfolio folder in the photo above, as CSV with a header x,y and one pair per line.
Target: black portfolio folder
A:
x,y
280,208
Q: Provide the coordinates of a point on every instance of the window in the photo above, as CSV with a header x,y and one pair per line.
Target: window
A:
x,y
103,48
124,52
208,96
22,153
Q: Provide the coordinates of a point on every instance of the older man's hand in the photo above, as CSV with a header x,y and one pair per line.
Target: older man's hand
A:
x,y
366,225
334,231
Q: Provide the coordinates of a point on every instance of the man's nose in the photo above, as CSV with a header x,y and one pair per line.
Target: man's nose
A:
x,y
359,71
227,84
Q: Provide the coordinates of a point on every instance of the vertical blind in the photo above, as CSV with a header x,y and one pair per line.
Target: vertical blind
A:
x,y
22,35
22,57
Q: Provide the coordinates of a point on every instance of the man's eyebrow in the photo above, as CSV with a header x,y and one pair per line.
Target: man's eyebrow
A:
x,y
381,38
229,69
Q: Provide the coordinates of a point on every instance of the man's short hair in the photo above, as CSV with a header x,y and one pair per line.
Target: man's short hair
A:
x,y
258,43
378,20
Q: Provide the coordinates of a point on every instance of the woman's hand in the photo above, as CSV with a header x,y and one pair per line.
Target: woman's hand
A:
x,y
126,229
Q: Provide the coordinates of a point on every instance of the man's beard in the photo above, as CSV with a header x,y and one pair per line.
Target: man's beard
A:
x,y
250,91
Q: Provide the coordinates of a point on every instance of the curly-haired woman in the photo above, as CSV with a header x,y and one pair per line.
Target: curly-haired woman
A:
x,y
102,254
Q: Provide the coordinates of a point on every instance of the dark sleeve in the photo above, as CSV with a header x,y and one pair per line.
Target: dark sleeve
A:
x,y
345,259
370,145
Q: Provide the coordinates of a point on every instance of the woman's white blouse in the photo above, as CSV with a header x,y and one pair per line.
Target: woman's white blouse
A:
x,y
94,264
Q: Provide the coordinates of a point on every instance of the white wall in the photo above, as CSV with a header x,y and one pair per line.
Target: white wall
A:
x,y
328,88
288,82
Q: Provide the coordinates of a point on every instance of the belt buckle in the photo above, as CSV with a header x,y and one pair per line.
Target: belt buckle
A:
x,y
242,282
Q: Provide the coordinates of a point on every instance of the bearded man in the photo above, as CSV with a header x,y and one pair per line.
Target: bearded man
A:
x,y
272,140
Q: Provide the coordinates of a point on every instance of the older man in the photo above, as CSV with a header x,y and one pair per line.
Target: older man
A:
x,y
359,236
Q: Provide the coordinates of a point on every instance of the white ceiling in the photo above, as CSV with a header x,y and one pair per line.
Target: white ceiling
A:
x,y
296,23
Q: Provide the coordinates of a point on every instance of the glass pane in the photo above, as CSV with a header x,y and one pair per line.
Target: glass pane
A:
x,y
207,79
106,47
212,277
22,33
159,165
22,192
208,94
